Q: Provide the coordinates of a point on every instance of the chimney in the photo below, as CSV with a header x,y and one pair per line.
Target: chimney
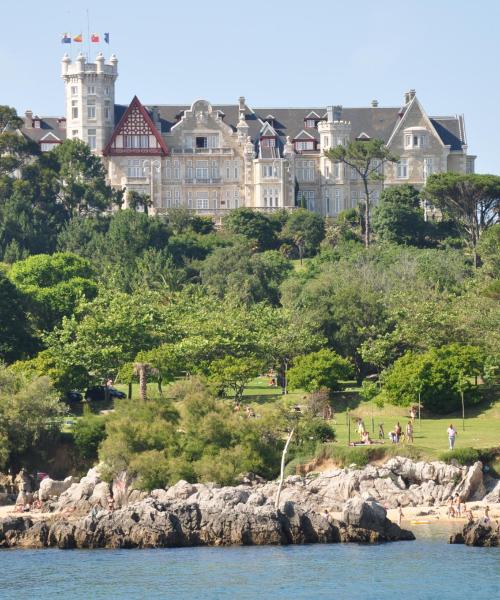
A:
x,y
329,114
241,102
374,103
412,94
409,95
337,113
28,119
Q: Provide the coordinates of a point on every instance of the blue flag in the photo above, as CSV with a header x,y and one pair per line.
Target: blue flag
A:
x,y
106,38
66,39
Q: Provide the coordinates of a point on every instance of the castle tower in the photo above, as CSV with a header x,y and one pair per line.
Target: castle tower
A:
x,y
90,99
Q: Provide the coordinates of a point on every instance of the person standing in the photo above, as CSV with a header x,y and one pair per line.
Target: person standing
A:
x,y
398,431
409,432
452,434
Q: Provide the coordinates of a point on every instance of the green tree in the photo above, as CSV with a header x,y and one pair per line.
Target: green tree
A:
x,y
398,218
256,227
231,374
489,251
53,285
367,159
305,230
139,201
438,375
321,369
15,152
88,434
16,336
9,119
472,201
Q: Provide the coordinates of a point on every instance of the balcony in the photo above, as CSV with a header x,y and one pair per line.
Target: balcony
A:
x,y
202,181
203,151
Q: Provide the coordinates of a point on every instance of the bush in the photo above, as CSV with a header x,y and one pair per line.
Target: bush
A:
x,y
88,433
463,456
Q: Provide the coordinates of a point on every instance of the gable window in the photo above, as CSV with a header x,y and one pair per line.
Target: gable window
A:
x,y
402,169
202,142
134,169
136,141
74,109
91,138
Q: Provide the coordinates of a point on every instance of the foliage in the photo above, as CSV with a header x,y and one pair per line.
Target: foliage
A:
x,y
472,201
489,251
439,375
30,415
305,230
54,285
255,226
16,336
464,456
89,432
398,218
231,374
321,369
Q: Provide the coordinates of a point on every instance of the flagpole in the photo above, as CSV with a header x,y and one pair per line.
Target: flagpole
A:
x,y
88,36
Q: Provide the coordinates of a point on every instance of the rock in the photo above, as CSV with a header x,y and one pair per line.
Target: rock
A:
x,y
472,486
50,488
478,533
181,490
493,494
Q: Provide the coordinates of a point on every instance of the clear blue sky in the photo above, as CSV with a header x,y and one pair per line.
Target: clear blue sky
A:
x,y
274,52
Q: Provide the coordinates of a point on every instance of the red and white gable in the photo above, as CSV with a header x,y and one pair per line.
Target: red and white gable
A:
x,y
136,134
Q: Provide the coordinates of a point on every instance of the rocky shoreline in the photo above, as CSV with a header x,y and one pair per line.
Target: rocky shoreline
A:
x,y
207,514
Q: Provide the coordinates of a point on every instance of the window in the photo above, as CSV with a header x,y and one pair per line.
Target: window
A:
x,y
236,198
91,108
354,174
236,170
91,138
189,169
307,145
310,123
354,199
188,142
201,200
415,140
107,109
202,169
271,197
215,169
74,133
74,90
228,169
168,169
337,202
106,91
327,202
177,198
136,141
74,109
270,171
168,199
46,146
336,170
309,197
268,143
201,142
177,170
327,171
428,167
134,169
402,169
190,199
213,140
326,141
305,170
91,90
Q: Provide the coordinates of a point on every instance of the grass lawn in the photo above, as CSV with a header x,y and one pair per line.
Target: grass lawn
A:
x,y
482,424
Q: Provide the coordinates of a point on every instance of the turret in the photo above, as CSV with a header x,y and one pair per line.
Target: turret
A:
x,y
90,98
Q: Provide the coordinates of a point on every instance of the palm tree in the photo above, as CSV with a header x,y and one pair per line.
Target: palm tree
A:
x,y
142,370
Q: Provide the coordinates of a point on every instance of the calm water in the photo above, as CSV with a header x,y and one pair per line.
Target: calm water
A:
x,y
425,569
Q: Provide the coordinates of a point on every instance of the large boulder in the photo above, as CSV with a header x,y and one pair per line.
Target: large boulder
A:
x,y
472,485
478,533
366,521
51,488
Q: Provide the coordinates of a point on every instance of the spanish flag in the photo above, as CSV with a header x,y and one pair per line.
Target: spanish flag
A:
x,y
78,38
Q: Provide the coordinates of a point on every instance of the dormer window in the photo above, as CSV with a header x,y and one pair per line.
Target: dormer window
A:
x,y
310,123
268,142
311,120
37,124
302,145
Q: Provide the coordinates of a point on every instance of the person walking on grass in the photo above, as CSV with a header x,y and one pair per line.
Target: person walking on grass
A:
x,y
452,434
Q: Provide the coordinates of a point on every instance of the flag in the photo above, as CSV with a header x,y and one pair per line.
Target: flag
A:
x,y
78,38
66,39
106,38
95,37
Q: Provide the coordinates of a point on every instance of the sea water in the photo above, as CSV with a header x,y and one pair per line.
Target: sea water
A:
x,y
425,569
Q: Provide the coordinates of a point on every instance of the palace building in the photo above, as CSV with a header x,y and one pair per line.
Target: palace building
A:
x,y
213,158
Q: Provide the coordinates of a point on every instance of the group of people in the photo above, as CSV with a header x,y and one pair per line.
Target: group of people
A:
x,y
397,435
249,411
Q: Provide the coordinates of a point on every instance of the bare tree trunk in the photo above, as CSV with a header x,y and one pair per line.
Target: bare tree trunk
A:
x,y
283,456
143,386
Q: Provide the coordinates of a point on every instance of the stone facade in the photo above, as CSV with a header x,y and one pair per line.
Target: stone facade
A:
x,y
215,158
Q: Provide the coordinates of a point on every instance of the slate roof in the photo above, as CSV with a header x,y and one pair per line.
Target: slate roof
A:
x,y
451,130
47,125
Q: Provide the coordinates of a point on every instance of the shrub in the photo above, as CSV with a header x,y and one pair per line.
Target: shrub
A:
x,y
464,456
89,432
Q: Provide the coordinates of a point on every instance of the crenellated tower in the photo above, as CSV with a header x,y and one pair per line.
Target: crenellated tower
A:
x,y
90,98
